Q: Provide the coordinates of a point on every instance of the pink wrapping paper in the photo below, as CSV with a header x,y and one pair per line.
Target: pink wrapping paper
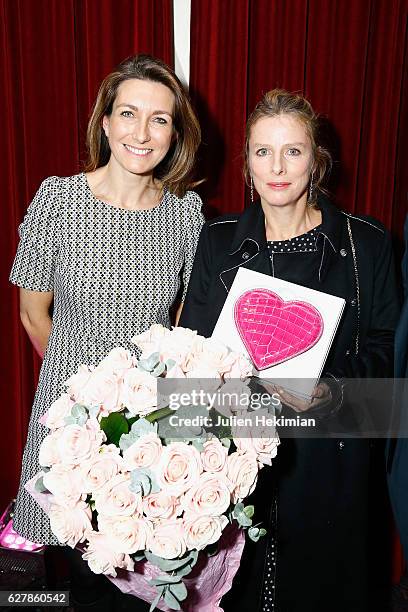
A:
x,y
210,579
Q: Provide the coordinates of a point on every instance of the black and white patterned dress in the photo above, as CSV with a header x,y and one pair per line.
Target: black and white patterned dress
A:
x,y
114,272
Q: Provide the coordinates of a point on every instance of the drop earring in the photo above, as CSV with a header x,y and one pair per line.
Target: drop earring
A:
x,y
252,190
310,199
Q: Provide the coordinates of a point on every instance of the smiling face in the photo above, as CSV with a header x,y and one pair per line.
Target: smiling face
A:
x,y
280,160
140,127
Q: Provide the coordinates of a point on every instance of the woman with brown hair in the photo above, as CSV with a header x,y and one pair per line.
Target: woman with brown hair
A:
x,y
315,502
111,248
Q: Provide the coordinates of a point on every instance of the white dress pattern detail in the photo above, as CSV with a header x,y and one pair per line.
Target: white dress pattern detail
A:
x,y
114,272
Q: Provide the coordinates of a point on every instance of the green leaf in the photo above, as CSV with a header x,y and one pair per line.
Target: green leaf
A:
x,y
198,445
243,520
226,442
166,579
156,599
78,410
249,511
138,428
171,601
158,414
253,533
158,370
179,590
238,509
114,426
143,481
39,485
186,569
150,363
132,420
173,565
139,556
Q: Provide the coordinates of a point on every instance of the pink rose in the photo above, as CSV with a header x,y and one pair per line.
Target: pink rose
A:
x,y
214,456
78,443
179,344
65,483
150,340
263,445
58,410
241,367
70,524
179,468
213,355
78,381
203,530
116,499
178,378
139,392
168,540
117,361
102,389
204,378
143,453
49,451
130,533
234,397
243,473
209,378
102,556
175,372
210,496
103,466
161,506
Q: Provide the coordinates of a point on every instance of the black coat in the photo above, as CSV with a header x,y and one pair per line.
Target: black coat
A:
x,y
322,485
398,447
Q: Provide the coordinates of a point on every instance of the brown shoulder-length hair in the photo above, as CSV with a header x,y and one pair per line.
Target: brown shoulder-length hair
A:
x,y
175,170
278,102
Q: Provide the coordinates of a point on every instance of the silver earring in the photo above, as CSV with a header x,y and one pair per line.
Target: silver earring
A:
x,y
311,198
252,190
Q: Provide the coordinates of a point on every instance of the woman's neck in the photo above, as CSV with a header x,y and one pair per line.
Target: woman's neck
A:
x,y
285,222
123,189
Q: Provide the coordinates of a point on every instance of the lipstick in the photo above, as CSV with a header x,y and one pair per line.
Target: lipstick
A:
x,y
278,185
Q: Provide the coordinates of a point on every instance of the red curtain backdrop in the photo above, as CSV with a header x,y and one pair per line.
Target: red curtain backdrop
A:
x,y
53,56
350,58
347,57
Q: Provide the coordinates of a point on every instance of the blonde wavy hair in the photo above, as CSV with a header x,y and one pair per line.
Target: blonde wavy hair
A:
x,y
279,102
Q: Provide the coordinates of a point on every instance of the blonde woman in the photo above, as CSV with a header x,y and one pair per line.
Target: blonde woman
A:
x,y
315,502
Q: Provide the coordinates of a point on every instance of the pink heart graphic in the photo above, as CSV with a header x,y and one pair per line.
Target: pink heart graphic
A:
x,y
273,330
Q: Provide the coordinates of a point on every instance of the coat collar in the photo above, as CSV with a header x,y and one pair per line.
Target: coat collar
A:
x,y
250,239
251,226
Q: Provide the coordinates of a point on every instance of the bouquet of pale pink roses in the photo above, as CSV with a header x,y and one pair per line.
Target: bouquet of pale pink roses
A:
x,y
130,488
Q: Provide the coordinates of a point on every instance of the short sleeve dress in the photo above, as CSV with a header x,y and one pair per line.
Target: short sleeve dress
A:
x,y
114,272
